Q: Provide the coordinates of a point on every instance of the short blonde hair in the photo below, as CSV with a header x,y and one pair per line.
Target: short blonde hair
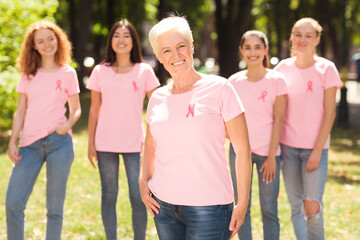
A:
x,y
171,23
315,25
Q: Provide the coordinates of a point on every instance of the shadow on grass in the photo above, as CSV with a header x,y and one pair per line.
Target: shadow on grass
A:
x,y
345,169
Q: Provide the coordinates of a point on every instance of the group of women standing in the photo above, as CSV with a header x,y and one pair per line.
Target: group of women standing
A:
x,y
184,180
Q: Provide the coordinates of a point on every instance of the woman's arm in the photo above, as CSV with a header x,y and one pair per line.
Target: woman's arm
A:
x,y
146,172
149,93
269,166
17,125
327,123
93,119
74,114
238,133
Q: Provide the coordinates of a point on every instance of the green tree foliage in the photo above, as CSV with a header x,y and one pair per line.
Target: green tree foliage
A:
x,y
15,17
340,20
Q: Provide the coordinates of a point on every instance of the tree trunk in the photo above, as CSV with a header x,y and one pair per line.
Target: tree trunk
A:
x,y
83,39
162,74
231,24
335,44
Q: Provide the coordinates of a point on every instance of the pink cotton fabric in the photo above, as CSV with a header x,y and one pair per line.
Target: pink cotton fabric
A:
x,y
189,131
258,99
305,109
120,124
47,94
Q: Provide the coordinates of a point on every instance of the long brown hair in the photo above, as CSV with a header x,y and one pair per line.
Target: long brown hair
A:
x,y
135,54
263,39
29,59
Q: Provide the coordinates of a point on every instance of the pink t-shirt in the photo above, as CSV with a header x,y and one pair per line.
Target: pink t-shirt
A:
x,y
305,108
189,131
258,99
120,124
47,94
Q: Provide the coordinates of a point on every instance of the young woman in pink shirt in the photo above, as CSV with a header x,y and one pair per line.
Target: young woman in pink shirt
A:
x,y
47,83
263,93
184,180
312,83
118,87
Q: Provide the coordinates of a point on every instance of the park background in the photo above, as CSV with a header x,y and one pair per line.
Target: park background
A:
x,y
217,27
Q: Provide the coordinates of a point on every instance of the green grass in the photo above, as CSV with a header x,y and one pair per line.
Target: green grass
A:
x,y
82,218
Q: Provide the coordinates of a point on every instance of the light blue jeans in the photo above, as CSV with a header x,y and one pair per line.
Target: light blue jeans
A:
x,y
268,194
179,222
57,151
303,185
109,175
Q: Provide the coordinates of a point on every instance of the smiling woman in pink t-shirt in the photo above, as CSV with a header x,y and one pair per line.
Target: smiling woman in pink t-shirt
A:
x,y
118,87
47,83
263,93
184,180
312,83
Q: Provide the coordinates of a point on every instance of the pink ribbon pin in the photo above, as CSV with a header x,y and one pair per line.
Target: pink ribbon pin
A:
x,y
135,86
191,109
309,84
58,85
263,95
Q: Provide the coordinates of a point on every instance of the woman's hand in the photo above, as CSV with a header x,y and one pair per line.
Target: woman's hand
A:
x,y
269,169
150,203
62,129
314,160
92,155
237,219
13,153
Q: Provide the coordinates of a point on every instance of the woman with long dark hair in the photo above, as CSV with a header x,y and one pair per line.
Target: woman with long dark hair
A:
x,y
118,87
263,93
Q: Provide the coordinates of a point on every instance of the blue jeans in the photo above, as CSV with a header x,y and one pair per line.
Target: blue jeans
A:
x,y
109,175
268,194
57,151
178,222
302,185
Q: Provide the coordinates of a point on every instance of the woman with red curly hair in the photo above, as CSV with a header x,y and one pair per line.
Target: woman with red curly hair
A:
x,y
47,83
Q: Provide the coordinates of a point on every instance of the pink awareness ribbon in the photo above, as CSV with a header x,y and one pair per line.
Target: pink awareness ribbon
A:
x,y
135,86
58,85
263,95
309,84
191,109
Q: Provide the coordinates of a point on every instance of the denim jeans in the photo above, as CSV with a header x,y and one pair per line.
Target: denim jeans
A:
x,y
178,222
302,185
268,194
109,175
57,151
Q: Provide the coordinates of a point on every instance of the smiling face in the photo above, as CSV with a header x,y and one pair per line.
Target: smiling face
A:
x,y
175,52
121,41
45,42
304,38
253,51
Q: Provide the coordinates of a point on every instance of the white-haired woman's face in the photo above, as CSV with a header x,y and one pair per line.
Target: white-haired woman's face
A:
x,y
175,52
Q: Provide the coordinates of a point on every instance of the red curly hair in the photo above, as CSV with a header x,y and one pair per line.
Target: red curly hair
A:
x,y
29,59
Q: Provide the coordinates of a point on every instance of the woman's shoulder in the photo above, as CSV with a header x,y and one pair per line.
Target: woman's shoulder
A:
x,y
287,62
272,74
238,76
67,68
323,62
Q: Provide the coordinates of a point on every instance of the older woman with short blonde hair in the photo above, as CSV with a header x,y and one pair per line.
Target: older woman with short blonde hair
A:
x,y
184,178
